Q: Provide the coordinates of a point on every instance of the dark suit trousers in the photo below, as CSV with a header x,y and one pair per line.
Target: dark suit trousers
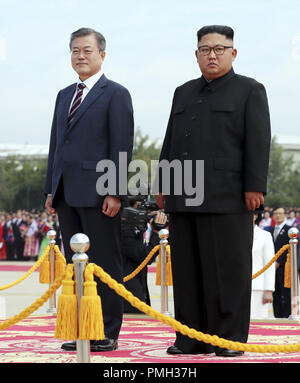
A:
x,y
281,295
104,235
10,250
211,256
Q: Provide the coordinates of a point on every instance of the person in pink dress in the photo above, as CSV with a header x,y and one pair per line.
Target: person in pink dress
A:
x,y
2,243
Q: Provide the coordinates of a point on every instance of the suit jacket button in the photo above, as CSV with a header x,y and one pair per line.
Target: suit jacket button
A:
x,y
199,101
194,117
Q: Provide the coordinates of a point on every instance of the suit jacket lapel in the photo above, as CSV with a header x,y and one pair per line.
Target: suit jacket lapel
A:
x,y
93,94
68,99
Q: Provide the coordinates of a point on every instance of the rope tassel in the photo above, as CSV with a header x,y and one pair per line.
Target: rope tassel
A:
x,y
44,272
287,270
91,316
67,309
158,270
59,265
60,262
168,278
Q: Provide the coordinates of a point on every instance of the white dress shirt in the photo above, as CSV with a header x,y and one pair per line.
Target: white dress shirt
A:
x,y
89,83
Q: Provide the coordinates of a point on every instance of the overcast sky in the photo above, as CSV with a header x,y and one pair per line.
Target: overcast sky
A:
x,y
150,50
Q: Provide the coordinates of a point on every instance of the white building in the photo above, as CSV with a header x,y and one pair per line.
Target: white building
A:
x,y
26,150
290,145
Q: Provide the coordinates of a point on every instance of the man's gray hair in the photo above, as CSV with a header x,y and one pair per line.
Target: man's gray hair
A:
x,y
82,32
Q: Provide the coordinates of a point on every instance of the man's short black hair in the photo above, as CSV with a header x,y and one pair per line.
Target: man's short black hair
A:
x,y
221,29
258,218
279,207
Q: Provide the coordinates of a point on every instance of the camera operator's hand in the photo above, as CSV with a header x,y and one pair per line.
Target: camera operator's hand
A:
x,y
160,200
160,218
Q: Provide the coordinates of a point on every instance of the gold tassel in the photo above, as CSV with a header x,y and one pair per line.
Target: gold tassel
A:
x,y
158,270
67,309
169,278
44,272
287,270
91,317
60,262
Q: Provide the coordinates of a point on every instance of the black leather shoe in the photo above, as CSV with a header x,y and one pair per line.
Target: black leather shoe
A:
x,y
229,353
174,350
96,345
69,346
104,345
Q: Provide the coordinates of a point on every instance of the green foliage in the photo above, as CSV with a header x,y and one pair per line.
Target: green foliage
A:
x,y
143,149
22,181
283,179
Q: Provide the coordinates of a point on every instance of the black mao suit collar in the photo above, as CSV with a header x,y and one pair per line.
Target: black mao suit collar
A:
x,y
214,84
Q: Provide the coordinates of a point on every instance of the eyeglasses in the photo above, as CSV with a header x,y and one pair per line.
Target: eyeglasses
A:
x,y
219,50
85,52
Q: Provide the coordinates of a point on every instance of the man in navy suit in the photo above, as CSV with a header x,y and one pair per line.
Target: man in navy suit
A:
x,y
93,121
281,295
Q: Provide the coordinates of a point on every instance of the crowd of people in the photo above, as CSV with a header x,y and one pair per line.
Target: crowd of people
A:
x,y
292,217
270,235
23,234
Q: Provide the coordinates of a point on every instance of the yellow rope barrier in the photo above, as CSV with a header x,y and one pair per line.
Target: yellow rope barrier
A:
x,y
134,301
185,330
276,256
34,267
156,248
34,306
142,265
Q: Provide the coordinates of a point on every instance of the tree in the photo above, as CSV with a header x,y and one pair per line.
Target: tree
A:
x,y
22,181
145,150
282,172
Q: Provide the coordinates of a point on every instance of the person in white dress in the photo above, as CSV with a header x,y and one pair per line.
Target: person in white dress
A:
x,y
263,285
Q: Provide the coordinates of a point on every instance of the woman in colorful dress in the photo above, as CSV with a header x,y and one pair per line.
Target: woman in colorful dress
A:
x,y
2,243
44,226
30,238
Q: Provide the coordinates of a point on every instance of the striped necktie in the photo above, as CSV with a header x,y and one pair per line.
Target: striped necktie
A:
x,y
76,102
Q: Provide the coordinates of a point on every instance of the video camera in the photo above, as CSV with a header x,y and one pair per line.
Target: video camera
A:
x,y
133,218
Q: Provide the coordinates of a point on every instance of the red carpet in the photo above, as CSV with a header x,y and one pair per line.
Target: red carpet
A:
x,y
141,340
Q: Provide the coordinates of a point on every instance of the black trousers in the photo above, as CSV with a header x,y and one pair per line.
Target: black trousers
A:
x,y
104,234
211,256
10,250
281,296
20,244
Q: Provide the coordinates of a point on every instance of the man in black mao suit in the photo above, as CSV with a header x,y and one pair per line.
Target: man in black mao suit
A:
x,y
93,121
222,119
281,295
